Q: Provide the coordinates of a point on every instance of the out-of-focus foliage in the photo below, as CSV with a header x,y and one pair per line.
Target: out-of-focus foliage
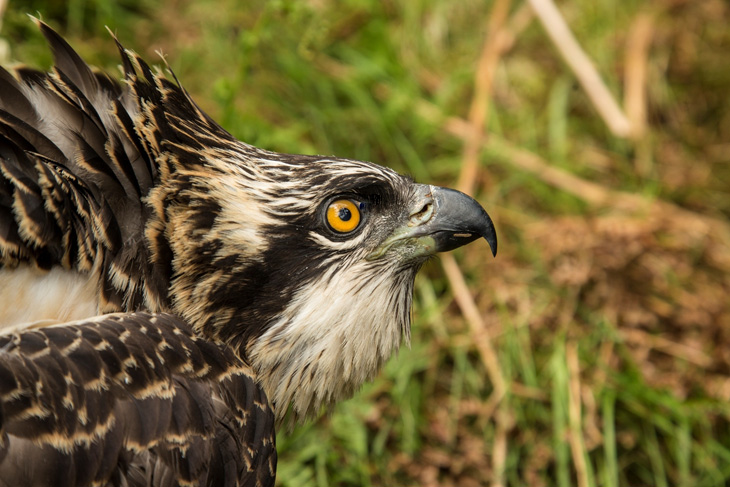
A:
x,y
607,304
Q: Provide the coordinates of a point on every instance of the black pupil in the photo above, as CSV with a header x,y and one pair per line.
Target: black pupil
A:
x,y
344,214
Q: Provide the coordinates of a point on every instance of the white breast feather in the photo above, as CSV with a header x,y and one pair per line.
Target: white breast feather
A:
x,y
29,295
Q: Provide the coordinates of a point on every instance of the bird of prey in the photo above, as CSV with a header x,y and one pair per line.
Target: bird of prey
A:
x,y
168,294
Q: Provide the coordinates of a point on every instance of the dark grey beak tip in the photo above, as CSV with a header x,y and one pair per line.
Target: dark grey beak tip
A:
x,y
488,231
491,238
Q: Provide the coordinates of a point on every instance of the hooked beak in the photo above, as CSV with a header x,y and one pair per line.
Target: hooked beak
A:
x,y
441,219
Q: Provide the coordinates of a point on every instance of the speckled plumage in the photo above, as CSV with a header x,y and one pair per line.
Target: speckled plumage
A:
x,y
130,399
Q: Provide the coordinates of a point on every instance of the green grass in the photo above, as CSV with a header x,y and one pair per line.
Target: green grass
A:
x,y
641,295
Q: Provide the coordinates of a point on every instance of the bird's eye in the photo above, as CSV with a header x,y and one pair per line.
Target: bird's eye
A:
x,y
343,216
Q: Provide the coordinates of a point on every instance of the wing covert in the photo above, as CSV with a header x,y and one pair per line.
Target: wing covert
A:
x,y
132,399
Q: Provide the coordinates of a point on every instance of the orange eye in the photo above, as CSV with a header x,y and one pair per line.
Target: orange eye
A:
x,y
343,216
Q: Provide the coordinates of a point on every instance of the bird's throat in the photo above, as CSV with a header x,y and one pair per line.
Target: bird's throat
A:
x,y
335,334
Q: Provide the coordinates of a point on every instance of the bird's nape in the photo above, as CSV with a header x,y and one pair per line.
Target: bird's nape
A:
x,y
244,283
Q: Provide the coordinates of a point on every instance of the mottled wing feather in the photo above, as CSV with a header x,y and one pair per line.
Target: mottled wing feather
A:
x,y
109,145
133,399
74,170
48,215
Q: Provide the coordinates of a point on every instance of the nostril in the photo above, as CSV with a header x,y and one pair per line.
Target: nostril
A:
x,y
422,215
423,210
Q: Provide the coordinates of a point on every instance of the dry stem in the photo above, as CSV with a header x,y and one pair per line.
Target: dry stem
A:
x,y
577,446
582,67
479,108
637,52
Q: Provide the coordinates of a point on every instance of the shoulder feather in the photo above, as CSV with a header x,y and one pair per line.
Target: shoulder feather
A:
x,y
132,399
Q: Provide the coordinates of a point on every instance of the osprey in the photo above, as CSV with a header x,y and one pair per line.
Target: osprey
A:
x,y
169,293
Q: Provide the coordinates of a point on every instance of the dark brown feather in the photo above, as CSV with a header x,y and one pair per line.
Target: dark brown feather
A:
x,y
74,169
134,399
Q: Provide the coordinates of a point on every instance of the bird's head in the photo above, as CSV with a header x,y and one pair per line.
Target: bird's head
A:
x,y
306,264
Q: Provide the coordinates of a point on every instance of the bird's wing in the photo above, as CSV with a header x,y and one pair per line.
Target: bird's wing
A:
x,y
130,399
74,170
48,216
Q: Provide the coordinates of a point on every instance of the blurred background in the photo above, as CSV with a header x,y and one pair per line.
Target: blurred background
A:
x,y
595,349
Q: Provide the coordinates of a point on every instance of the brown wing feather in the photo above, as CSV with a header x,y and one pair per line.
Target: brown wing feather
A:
x,y
123,152
74,168
132,399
